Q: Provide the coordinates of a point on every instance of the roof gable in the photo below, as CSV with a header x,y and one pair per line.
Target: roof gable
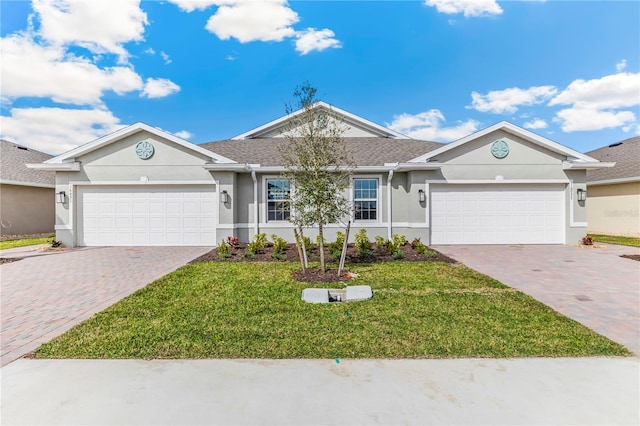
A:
x,y
129,130
571,154
13,169
359,127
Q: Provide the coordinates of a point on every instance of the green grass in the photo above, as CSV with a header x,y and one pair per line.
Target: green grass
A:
x,y
254,310
24,242
613,239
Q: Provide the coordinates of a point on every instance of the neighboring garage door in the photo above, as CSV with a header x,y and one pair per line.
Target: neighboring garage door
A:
x,y
146,215
497,214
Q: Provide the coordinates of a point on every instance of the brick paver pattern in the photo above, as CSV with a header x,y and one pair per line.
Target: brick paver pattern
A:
x,y
45,295
593,286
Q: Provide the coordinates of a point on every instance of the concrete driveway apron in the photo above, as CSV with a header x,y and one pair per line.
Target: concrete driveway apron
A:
x,y
46,293
594,286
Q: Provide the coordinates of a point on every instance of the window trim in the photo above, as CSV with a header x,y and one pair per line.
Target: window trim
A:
x,y
265,199
378,200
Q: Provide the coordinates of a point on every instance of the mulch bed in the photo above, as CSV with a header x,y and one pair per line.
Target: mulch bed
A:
x,y
315,275
9,259
631,256
290,254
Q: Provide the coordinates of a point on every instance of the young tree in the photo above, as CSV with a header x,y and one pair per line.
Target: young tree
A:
x,y
316,164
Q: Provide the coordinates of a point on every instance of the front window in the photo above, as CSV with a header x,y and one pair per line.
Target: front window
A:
x,y
278,207
365,198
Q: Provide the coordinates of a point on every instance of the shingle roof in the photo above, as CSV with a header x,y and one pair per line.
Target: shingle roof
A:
x,y
369,151
13,158
626,155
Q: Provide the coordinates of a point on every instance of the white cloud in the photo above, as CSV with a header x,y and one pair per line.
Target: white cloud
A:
x,y
467,7
507,100
247,20
150,51
57,130
428,126
101,26
536,123
159,88
312,39
183,134
30,69
580,119
191,5
595,103
611,91
621,66
167,60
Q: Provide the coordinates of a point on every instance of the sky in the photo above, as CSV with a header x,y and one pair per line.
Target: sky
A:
x,y
205,70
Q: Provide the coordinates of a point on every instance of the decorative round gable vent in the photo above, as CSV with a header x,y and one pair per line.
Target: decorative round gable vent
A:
x,y
500,148
144,149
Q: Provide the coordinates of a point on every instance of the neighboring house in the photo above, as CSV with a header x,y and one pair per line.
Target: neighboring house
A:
x,y
613,201
143,186
26,195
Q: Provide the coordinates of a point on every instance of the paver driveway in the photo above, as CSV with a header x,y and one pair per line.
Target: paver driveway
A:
x,y
593,286
45,295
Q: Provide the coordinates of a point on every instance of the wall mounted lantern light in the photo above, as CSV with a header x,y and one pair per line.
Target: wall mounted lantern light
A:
x,y
421,195
224,197
60,197
582,194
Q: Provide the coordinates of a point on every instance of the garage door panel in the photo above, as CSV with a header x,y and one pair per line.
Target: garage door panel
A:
x,y
497,214
159,215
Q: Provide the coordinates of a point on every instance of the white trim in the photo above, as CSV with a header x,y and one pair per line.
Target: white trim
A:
x,y
346,117
148,182
389,205
128,131
570,165
578,225
614,181
378,199
62,228
285,225
57,167
19,183
515,130
427,203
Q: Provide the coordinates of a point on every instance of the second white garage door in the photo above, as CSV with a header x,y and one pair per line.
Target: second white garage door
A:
x,y
497,214
146,215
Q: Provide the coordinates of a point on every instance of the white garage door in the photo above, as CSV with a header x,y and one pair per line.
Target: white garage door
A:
x,y
146,215
497,214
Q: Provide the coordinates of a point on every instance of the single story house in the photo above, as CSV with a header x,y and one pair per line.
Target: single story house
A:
x,y
26,195
613,205
143,186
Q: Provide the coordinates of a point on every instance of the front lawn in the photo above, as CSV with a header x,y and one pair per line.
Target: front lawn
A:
x,y
25,242
614,239
254,310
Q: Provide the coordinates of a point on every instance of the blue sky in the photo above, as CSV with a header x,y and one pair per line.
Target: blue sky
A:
x,y
75,70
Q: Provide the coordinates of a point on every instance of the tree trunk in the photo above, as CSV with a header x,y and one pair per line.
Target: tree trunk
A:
x,y
345,244
323,266
299,246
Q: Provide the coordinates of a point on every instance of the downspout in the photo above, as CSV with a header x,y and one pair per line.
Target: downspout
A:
x,y
255,201
389,179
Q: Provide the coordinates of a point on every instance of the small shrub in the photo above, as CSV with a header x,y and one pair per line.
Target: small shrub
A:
x,y
420,248
429,253
224,250
324,241
260,240
380,241
307,245
232,241
249,254
56,244
363,244
399,240
586,241
279,244
335,248
397,254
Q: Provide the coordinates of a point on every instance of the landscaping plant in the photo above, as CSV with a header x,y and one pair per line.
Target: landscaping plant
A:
x,y
279,244
224,250
363,244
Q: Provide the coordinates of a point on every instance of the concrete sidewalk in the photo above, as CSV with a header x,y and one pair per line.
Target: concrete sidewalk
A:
x,y
577,391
